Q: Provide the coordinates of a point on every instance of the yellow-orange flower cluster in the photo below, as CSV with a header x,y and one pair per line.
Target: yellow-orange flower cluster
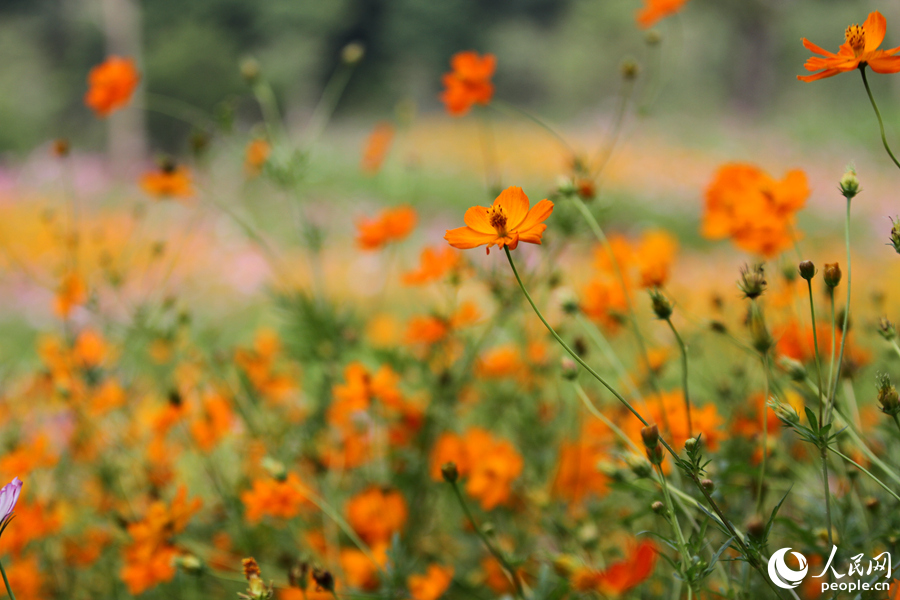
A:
x,y
469,82
489,465
149,557
392,225
111,85
753,209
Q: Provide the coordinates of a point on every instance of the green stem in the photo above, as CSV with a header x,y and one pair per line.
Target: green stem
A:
x,y
896,421
812,311
827,391
725,522
574,354
840,359
617,269
765,438
6,582
824,451
864,470
682,545
330,97
862,70
627,89
506,107
896,347
487,542
597,336
684,376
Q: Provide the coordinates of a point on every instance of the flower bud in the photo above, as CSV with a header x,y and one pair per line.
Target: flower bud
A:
x,y
756,528
565,186
324,580
786,413
895,235
449,472
189,563
275,468
887,395
759,333
353,53
655,455
752,281
807,270
650,435
61,147
658,507
250,70
872,504
640,467
886,329
662,306
569,368
794,368
849,185
565,565
652,37
708,485
629,69
690,444
832,274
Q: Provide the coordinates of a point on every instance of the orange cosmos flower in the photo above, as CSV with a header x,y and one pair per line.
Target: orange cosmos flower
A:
x,y
655,255
255,156
752,208
505,223
432,584
377,146
490,464
273,498
859,49
169,181
434,265
72,292
469,82
654,10
376,514
392,225
111,85
621,576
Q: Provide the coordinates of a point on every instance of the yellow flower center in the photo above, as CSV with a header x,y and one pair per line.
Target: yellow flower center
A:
x,y
498,219
856,38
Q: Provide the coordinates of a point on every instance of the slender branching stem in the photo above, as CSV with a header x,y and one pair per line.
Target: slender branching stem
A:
x,y
6,582
684,376
862,70
496,552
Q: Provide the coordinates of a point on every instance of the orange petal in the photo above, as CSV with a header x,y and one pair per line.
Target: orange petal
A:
x,y
885,64
822,75
538,214
533,235
477,218
816,49
465,238
874,27
515,204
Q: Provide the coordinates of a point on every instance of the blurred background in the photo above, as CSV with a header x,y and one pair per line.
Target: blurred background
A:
x,y
731,62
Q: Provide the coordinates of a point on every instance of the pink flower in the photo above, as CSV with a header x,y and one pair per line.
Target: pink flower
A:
x,y
9,495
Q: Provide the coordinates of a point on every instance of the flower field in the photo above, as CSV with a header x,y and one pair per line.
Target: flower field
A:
x,y
467,353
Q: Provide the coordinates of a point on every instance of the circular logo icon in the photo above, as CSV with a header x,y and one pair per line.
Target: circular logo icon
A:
x,y
782,575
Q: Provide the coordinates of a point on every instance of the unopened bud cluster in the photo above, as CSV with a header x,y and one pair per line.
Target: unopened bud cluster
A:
x,y
753,281
832,275
887,395
849,184
650,435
